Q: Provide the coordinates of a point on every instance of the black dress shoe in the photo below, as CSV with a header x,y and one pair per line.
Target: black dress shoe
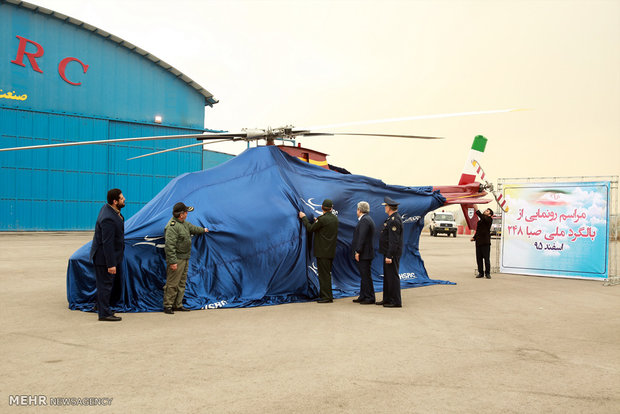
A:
x,y
367,302
392,305
358,300
488,276
169,311
379,303
324,301
181,309
479,276
111,318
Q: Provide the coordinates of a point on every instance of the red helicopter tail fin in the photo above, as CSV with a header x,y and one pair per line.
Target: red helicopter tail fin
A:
x,y
468,176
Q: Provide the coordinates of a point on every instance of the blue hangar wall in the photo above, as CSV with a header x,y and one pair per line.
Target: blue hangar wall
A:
x,y
62,80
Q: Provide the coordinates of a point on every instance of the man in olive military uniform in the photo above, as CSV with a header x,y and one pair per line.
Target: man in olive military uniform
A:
x,y
391,246
178,233
325,228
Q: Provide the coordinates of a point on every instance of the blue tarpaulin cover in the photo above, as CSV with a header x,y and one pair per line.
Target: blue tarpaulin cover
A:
x,y
257,251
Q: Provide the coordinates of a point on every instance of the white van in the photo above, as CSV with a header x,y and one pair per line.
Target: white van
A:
x,y
496,226
443,222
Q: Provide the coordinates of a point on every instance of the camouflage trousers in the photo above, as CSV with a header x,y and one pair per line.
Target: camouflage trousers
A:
x,y
174,289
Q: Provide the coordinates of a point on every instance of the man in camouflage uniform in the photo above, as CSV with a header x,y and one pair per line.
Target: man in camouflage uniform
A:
x,y
178,233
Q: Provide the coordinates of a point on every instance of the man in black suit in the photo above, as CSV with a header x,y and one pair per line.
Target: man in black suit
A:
x,y
107,251
325,228
364,252
391,246
483,242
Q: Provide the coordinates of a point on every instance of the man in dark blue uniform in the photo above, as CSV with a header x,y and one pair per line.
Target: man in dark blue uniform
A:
x,y
107,251
325,228
391,246
483,242
364,252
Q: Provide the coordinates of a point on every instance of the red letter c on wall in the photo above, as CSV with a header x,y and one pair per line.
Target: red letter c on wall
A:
x,y
62,66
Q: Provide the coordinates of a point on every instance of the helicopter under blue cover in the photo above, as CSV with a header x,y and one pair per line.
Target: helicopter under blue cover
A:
x,y
257,251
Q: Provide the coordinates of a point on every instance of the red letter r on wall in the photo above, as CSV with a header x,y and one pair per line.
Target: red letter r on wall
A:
x,y
21,51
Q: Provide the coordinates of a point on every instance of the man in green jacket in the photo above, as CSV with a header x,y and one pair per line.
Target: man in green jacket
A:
x,y
178,233
325,228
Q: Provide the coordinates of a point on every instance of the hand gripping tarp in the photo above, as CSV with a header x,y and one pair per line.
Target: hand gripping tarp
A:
x,y
257,251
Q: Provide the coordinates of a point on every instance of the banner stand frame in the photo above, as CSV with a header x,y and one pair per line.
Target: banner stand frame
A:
x,y
614,218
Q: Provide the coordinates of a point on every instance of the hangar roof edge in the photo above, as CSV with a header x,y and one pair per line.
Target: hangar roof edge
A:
x,y
209,98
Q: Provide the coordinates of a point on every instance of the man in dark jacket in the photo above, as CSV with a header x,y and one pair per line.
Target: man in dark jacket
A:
x,y
391,246
483,242
107,251
325,228
364,252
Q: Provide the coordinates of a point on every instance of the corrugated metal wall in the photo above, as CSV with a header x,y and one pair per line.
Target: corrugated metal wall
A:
x,y
213,158
119,96
119,83
64,188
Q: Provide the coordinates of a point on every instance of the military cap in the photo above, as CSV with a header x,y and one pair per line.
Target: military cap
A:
x,y
327,203
180,207
387,201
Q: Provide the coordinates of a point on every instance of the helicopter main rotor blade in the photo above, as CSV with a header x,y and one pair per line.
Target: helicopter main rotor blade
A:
x,y
413,118
109,141
176,148
385,135
310,134
231,136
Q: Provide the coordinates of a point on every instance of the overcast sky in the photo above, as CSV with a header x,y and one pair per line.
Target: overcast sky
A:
x,y
308,63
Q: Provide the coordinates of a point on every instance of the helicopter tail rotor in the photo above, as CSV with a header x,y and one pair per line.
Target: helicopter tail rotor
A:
x,y
489,187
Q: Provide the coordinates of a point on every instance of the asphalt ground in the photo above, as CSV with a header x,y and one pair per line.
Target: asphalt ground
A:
x,y
511,344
